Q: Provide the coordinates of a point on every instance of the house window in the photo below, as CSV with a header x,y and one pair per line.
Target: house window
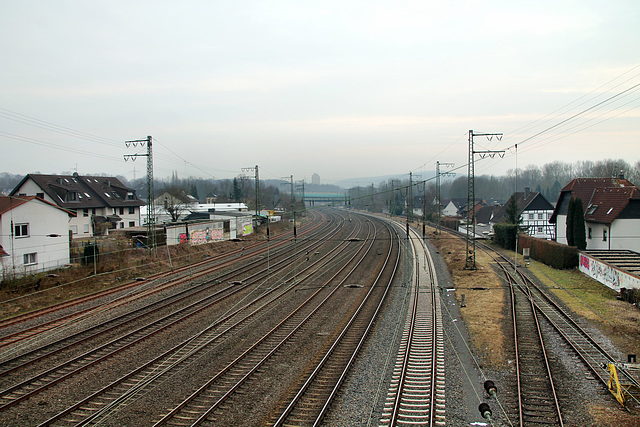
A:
x,y
40,195
21,230
540,229
122,225
604,235
29,259
132,223
72,196
540,216
121,211
531,216
85,212
132,210
589,233
86,228
74,229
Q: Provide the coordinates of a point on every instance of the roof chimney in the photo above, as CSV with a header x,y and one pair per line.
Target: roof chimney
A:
x,y
527,191
621,175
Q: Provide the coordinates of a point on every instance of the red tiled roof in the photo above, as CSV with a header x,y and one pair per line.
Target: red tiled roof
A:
x,y
9,202
585,188
606,204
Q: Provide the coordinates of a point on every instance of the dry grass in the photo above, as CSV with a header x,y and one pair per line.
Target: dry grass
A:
x,y
484,298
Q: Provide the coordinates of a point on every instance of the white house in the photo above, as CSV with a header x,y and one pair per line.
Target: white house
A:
x,y
611,212
535,212
101,203
34,234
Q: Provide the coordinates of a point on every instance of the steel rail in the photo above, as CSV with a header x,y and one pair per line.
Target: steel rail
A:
x,y
184,352
257,355
42,381
346,357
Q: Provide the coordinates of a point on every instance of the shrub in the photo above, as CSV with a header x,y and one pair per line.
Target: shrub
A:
x,y
551,253
90,251
505,235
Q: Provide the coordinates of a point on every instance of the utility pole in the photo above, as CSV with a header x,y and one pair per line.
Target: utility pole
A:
x,y
151,209
257,188
471,196
300,187
290,178
410,197
438,202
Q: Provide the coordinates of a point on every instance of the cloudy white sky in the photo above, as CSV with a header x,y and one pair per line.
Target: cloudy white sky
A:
x,y
342,88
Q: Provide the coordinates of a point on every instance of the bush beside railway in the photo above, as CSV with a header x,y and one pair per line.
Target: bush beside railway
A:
x,y
551,253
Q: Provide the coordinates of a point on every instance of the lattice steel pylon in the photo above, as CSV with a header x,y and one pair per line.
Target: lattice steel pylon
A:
x,y
257,178
470,263
438,201
151,209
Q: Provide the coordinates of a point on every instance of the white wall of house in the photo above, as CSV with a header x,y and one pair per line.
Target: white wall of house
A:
x,y
623,234
561,230
538,224
450,210
35,251
130,216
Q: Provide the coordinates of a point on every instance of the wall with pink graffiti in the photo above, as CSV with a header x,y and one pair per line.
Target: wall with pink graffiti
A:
x,y
607,274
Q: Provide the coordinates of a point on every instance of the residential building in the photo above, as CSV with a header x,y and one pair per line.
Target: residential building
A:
x,y
534,211
34,235
101,203
611,212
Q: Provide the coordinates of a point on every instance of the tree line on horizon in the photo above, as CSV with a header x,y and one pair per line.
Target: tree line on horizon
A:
x,y
548,180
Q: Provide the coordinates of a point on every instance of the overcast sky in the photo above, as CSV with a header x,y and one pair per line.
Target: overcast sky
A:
x,y
341,88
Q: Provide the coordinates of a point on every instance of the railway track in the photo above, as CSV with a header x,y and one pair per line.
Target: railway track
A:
x,y
417,393
128,292
211,401
13,395
539,400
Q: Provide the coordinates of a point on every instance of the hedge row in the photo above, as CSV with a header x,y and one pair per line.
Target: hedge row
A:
x,y
550,253
505,235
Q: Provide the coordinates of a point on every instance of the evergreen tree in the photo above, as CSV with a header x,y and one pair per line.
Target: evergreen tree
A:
x,y
570,218
237,191
579,233
512,215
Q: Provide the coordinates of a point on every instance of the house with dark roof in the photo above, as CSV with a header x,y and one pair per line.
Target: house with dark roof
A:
x,y
101,203
534,211
611,212
34,235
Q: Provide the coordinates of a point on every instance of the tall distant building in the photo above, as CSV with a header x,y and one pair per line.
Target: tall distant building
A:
x,y
315,179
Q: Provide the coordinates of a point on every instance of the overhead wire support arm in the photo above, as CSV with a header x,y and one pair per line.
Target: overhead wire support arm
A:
x,y
470,255
151,209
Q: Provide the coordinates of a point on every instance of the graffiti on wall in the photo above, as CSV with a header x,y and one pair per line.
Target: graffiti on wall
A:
x,y
247,228
601,272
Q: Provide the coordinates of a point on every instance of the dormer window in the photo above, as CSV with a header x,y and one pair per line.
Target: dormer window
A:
x,y
72,196
130,195
591,209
